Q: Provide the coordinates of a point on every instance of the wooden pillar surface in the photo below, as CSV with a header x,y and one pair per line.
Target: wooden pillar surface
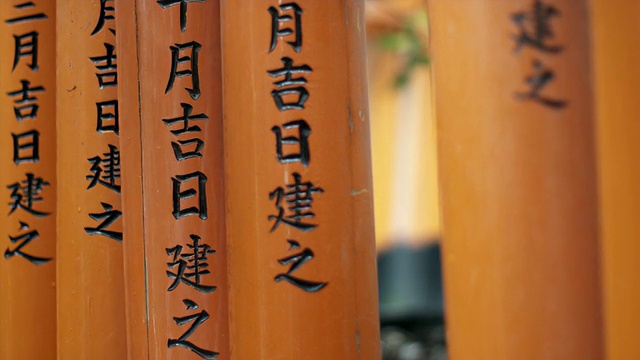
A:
x,y
173,174
90,277
130,144
518,180
28,180
616,52
299,200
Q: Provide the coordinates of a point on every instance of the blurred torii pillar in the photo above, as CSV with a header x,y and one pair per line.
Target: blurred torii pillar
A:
x,y
298,173
518,180
90,277
28,179
175,258
616,49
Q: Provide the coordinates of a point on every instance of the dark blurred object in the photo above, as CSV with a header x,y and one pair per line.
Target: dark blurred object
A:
x,y
422,342
410,284
411,304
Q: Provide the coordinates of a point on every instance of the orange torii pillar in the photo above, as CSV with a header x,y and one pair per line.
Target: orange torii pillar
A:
x,y
90,278
518,179
28,179
615,29
170,94
301,246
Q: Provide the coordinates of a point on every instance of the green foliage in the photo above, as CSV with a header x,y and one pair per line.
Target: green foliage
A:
x,y
408,42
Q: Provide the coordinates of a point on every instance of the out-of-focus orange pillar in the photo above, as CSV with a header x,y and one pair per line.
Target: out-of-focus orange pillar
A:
x,y
90,277
518,180
298,175
170,94
27,179
615,29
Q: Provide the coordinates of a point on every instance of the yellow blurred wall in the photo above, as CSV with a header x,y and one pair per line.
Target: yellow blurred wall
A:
x,y
403,138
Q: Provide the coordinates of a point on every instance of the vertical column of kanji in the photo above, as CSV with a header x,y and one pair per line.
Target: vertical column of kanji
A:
x,y
517,166
176,265
91,317
616,51
300,222
27,179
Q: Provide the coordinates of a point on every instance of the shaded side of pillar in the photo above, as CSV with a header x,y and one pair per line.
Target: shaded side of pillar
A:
x,y
133,217
298,175
518,179
615,31
173,188
28,179
90,277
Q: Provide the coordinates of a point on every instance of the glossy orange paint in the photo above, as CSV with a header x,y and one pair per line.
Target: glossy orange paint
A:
x,y
518,180
157,215
28,288
90,275
329,240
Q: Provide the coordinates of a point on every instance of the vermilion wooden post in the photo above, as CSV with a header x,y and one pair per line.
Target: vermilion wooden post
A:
x,y
170,94
518,180
27,179
615,31
91,318
133,252
299,199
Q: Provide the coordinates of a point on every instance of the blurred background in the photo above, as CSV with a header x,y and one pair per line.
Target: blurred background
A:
x,y
405,180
